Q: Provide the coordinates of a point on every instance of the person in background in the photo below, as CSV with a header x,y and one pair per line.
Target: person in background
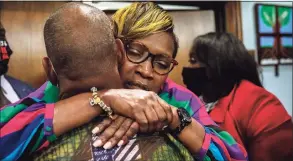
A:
x,y
11,89
226,77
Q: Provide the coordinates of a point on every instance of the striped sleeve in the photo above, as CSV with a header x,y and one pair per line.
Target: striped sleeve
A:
x,y
217,144
26,126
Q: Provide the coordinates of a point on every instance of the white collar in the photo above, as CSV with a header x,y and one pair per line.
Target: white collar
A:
x,y
8,91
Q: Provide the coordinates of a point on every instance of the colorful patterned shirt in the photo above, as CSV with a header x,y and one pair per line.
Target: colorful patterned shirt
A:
x,y
26,127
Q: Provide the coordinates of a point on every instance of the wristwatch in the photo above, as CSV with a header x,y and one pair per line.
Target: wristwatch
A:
x,y
185,120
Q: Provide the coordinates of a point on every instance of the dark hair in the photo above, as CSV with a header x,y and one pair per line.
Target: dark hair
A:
x,y
227,60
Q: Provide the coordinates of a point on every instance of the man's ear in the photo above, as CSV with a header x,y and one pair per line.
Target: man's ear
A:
x,y
48,67
120,51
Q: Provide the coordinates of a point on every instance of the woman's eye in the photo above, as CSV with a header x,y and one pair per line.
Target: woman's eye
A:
x,y
134,52
162,64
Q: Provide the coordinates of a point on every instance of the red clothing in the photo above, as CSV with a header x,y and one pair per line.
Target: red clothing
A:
x,y
258,121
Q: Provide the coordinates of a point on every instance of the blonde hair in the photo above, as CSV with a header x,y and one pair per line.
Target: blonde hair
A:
x,y
141,19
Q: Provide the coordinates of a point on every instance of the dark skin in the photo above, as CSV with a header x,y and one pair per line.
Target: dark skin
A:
x,y
127,103
144,76
123,101
141,76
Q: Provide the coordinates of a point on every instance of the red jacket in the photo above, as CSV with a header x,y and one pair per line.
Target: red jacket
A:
x,y
258,121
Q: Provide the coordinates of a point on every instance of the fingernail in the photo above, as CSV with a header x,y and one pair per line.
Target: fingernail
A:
x,y
120,143
95,130
107,145
98,143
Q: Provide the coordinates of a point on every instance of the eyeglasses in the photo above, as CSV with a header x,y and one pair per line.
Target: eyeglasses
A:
x,y
137,53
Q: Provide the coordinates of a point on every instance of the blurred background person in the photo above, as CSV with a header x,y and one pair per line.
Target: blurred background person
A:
x,y
11,89
226,77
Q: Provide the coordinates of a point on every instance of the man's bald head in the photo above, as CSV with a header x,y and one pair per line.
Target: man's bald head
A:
x,y
79,41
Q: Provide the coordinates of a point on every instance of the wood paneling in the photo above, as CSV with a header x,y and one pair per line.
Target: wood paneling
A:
x,y
24,22
233,18
188,25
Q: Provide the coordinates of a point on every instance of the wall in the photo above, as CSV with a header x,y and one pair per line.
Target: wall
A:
x,y
188,25
281,86
24,23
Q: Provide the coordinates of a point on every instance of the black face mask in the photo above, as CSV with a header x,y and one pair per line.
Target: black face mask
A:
x,y
3,67
195,79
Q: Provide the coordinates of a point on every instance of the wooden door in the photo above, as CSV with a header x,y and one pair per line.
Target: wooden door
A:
x,y
188,25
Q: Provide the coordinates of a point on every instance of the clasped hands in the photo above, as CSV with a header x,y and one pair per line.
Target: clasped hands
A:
x,y
135,111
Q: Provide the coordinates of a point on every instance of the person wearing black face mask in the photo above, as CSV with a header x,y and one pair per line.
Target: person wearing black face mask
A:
x,y
195,79
226,77
11,89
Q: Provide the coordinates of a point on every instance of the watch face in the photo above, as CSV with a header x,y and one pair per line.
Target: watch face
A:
x,y
185,115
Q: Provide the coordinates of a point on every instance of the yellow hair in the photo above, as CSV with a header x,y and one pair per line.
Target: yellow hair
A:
x,y
141,19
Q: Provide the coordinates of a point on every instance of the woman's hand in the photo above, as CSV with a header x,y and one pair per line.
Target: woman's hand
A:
x,y
115,132
145,107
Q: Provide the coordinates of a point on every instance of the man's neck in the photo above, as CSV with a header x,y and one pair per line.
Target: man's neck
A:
x,y
70,88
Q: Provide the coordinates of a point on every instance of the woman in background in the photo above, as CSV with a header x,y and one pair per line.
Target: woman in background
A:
x,y
226,77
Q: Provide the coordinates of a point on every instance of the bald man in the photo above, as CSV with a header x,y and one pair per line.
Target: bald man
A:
x,y
82,53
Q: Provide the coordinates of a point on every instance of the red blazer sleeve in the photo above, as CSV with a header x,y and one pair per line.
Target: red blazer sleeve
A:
x,y
268,126
270,129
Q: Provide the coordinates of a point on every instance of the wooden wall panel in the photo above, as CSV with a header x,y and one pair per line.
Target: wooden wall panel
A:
x,y
24,23
233,18
188,25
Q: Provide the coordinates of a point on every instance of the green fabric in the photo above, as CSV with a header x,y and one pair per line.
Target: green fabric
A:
x,y
225,136
51,94
172,101
9,112
68,146
37,144
171,150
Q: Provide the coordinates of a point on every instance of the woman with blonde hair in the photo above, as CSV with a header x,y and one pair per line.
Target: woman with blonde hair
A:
x,y
147,34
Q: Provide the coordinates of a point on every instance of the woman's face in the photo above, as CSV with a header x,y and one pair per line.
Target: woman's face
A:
x,y
145,75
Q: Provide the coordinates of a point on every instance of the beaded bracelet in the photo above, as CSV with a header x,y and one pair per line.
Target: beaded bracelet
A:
x,y
96,100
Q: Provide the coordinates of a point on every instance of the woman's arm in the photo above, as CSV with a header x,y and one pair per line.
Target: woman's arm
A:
x,y
73,112
31,124
202,137
269,128
205,140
